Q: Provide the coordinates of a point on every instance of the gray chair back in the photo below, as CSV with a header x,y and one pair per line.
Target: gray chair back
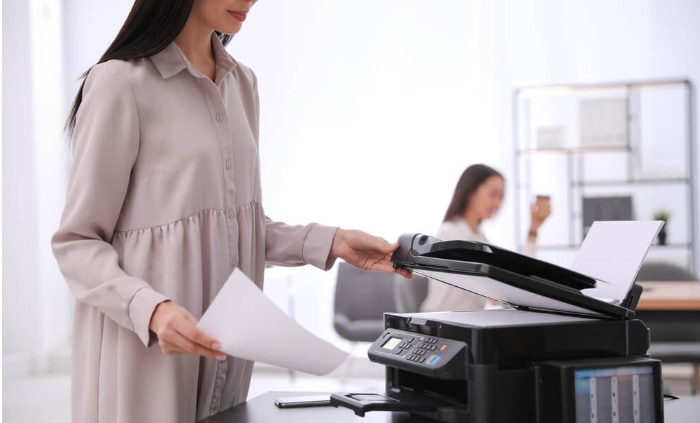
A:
x,y
664,271
361,299
410,293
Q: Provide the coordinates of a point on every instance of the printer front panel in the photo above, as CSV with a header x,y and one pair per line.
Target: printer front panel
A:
x,y
498,378
518,345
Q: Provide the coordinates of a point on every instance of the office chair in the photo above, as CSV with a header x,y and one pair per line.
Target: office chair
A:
x,y
663,271
675,335
361,299
409,294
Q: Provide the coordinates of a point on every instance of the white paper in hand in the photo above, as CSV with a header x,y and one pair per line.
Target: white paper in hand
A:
x,y
248,325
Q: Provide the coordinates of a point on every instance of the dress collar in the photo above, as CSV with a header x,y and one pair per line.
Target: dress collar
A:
x,y
171,60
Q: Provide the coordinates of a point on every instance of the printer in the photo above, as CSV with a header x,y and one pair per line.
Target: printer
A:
x,y
550,354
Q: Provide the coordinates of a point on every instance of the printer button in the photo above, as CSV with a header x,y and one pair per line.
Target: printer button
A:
x,y
433,359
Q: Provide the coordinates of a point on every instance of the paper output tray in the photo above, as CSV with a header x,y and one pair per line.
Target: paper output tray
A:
x,y
361,403
510,278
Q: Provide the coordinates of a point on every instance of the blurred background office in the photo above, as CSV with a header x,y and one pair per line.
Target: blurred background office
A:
x,y
370,110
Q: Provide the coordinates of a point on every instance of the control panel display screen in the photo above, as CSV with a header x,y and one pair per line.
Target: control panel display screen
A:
x,y
617,394
391,343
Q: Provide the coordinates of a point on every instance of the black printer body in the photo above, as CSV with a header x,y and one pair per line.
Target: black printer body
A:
x,y
523,363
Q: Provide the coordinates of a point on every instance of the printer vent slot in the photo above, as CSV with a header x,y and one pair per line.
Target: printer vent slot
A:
x,y
452,391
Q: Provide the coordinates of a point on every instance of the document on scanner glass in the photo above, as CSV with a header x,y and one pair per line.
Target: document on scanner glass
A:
x,y
248,325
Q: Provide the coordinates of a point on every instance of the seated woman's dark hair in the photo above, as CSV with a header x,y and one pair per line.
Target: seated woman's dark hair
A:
x,y
468,183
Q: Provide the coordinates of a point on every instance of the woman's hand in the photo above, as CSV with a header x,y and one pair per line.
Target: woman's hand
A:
x,y
365,251
539,212
177,332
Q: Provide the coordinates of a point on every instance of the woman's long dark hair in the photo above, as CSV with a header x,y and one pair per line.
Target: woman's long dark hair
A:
x,y
468,183
150,27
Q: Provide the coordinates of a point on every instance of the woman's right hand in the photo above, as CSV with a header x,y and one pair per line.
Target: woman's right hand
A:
x,y
539,212
177,332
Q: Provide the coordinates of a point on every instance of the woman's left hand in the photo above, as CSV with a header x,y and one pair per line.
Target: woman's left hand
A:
x,y
365,251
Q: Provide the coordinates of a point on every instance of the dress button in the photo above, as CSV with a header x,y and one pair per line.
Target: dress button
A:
x,y
228,164
219,118
230,214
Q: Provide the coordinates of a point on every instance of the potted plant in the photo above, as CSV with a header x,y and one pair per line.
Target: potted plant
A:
x,y
662,215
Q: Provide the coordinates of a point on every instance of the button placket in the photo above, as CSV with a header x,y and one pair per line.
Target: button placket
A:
x,y
219,379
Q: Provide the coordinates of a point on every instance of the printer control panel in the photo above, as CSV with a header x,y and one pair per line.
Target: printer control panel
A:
x,y
414,351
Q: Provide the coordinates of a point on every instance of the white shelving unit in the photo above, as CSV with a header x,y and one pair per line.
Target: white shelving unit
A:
x,y
608,152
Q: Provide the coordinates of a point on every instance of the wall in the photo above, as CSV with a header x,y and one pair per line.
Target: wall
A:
x,y
20,275
545,42
36,316
369,109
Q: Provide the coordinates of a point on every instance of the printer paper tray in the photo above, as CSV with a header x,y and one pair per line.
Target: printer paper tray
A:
x,y
361,403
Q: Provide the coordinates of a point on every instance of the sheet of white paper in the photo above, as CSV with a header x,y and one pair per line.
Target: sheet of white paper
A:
x,y
613,252
248,325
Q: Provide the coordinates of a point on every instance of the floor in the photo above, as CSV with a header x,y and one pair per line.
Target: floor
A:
x,y
20,395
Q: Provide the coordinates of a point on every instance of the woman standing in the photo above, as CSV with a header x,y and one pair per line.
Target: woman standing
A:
x,y
163,204
477,196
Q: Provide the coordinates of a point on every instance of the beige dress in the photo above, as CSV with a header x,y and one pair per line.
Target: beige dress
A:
x,y
163,203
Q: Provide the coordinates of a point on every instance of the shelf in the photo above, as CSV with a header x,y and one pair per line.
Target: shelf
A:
x,y
583,184
660,181
571,89
575,151
671,246
631,141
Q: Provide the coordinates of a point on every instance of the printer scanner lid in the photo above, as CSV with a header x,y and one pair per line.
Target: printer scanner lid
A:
x,y
515,279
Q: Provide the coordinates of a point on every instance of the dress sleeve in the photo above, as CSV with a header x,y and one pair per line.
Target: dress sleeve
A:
x,y
105,146
296,245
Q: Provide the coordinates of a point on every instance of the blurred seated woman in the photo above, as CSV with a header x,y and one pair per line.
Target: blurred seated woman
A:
x,y
477,196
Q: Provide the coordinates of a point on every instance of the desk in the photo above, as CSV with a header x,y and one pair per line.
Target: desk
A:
x,y
262,410
671,310
669,296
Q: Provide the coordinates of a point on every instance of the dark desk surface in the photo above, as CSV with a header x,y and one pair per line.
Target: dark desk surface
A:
x,y
261,409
